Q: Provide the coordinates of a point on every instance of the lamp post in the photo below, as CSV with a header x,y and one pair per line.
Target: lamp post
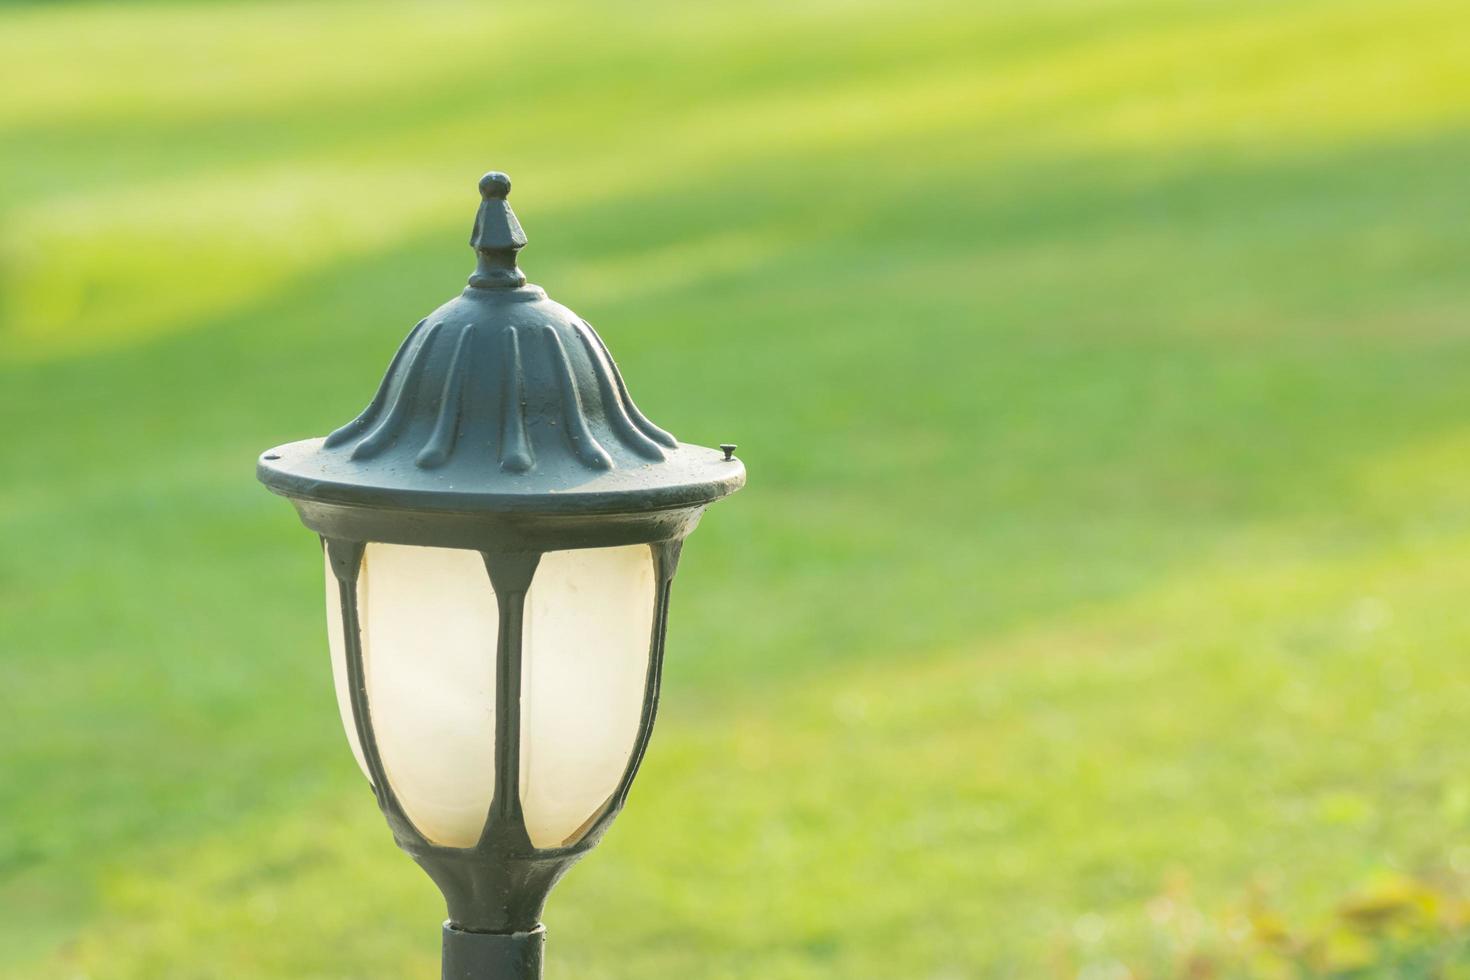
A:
x,y
500,527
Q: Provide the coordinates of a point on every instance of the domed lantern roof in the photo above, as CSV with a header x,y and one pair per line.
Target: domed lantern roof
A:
x,y
501,402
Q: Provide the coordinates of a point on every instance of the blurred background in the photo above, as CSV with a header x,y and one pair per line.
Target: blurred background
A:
x,y
1098,604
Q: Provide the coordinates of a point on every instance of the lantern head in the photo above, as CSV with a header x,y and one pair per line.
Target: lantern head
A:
x,y
501,525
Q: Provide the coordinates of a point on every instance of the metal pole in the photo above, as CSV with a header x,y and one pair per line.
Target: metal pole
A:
x,y
491,955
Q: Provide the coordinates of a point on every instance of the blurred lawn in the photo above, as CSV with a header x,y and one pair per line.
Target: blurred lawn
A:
x,y
1097,607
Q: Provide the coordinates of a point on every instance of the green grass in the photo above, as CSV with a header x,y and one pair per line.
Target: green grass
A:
x,y
1097,605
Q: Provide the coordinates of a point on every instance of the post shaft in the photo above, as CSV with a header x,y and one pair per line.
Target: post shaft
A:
x,y
493,956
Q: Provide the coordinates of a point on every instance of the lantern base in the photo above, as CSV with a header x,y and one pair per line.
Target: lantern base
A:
x,y
492,955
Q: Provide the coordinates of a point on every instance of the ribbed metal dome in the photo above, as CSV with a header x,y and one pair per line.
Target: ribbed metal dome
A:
x,y
501,400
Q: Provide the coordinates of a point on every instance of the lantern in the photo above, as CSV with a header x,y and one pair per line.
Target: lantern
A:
x,y
500,528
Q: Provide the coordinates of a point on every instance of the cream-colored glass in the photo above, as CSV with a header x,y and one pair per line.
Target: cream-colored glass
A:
x,y
429,625
584,665
336,644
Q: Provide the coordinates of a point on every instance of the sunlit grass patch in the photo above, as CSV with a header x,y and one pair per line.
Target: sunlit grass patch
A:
x,y
125,258
1035,802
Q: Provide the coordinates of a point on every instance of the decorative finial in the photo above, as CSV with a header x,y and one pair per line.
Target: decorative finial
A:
x,y
495,185
497,237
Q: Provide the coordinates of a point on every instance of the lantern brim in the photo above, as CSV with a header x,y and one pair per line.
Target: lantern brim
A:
x,y
690,476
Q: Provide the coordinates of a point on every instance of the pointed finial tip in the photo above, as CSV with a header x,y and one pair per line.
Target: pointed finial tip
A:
x,y
494,186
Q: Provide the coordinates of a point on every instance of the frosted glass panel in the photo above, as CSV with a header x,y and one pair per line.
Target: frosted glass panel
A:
x,y
339,667
588,624
430,621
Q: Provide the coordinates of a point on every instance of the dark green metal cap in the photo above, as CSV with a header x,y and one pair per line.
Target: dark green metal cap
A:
x,y
501,401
